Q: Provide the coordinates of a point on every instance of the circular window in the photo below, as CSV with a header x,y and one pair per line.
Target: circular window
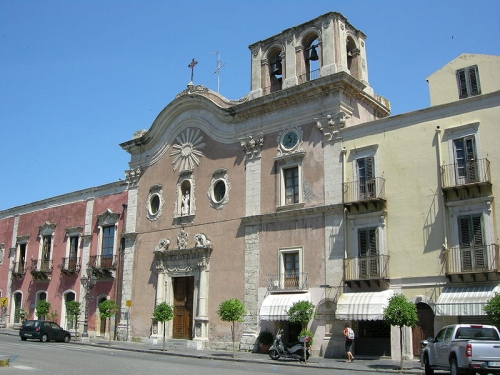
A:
x,y
154,204
219,191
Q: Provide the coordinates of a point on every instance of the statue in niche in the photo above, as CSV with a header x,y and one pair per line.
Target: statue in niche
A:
x,y
185,204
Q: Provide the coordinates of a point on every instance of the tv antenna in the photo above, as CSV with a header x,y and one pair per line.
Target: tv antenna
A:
x,y
217,70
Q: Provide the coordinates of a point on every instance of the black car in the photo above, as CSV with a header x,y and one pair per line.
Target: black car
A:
x,y
44,331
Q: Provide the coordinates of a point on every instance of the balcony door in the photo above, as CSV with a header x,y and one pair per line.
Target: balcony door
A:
x,y
465,160
368,253
473,251
366,174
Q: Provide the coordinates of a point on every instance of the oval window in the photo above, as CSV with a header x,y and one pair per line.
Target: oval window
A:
x,y
219,191
154,204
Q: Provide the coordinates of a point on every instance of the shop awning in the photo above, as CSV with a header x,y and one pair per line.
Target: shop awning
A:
x,y
460,301
274,306
363,306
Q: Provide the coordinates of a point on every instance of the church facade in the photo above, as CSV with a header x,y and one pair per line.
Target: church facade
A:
x,y
307,189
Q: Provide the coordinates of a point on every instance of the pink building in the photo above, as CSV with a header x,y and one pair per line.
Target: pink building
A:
x,y
49,247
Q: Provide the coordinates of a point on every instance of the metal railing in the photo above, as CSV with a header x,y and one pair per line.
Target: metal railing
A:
x,y
39,265
461,259
70,265
366,268
273,88
18,269
309,76
288,281
362,190
470,172
107,262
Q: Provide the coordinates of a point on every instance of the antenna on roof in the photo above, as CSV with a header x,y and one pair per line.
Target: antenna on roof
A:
x,y
217,71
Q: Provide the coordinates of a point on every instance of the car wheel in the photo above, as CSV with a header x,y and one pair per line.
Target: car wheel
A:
x,y
44,338
428,368
24,338
453,367
273,353
67,338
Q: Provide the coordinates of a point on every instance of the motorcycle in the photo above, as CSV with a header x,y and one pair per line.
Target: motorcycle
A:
x,y
293,351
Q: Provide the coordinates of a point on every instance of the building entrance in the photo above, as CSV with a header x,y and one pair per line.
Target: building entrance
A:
x,y
183,308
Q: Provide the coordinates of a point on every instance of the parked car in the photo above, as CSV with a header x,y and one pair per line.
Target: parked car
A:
x,y
463,348
44,331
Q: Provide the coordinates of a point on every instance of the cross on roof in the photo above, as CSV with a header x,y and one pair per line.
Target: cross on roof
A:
x,y
192,65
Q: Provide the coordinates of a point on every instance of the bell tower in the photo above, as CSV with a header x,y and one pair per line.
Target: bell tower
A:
x,y
323,46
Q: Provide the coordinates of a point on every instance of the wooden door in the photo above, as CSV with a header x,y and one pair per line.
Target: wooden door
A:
x,y
424,328
183,307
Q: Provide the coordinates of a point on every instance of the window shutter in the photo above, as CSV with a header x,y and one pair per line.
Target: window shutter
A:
x,y
464,228
462,83
373,241
478,230
363,245
474,81
370,163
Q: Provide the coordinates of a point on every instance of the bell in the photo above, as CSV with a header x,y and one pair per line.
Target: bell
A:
x,y
313,55
277,70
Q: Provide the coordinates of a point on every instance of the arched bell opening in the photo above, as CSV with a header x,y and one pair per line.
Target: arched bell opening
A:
x,y
276,69
353,58
312,60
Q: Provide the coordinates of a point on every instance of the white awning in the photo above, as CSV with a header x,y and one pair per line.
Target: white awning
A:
x,y
363,306
274,306
463,301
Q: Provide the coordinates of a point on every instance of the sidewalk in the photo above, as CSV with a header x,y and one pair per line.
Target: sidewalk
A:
x,y
372,365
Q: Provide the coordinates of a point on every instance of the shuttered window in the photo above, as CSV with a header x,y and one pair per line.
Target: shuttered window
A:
x,y
473,251
468,82
366,174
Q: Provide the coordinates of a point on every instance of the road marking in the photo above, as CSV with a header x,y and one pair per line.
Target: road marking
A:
x,y
21,367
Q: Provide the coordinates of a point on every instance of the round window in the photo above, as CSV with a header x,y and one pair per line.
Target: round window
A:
x,y
219,191
154,204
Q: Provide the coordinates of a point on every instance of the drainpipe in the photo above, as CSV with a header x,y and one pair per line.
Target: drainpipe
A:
x,y
344,156
445,224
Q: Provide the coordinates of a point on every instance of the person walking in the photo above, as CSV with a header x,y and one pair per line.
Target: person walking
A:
x,y
349,338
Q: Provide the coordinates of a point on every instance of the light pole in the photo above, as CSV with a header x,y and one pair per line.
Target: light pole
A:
x,y
88,282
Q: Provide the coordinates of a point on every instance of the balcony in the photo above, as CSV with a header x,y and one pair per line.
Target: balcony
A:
x,y
41,269
369,270
103,266
478,263
288,282
19,270
474,175
70,266
368,194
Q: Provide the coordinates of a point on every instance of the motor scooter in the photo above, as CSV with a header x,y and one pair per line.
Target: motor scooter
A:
x,y
293,351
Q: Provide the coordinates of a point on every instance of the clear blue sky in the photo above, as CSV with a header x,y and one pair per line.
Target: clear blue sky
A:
x,y
77,78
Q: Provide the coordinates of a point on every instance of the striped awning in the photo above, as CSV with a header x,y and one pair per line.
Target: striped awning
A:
x,y
274,306
463,301
363,306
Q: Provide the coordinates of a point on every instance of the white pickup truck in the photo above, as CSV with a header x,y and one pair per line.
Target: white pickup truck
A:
x,y
463,348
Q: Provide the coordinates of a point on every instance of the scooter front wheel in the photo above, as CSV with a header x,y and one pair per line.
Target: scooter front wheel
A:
x,y
273,353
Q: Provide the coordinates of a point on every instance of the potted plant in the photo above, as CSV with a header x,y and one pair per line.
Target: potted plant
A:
x,y
265,340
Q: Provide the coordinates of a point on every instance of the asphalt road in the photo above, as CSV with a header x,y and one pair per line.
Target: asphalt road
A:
x,y
72,359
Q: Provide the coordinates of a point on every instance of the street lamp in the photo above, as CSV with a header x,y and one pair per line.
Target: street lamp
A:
x,y
88,282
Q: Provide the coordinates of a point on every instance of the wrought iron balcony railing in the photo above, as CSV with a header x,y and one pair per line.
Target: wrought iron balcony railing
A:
x,y
42,266
288,282
470,172
105,262
18,270
277,86
363,190
461,259
312,75
366,268
70,265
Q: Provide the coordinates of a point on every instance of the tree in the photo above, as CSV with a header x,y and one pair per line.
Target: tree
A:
x,y
42,309
492,308
400,313
232,310
163,313
107,309
73,310
302,312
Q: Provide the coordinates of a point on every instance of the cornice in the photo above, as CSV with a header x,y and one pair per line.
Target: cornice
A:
x,y
289,214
